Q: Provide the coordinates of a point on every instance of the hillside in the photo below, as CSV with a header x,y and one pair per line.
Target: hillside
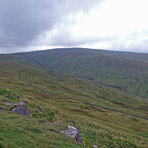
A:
x,y
122,70
105,116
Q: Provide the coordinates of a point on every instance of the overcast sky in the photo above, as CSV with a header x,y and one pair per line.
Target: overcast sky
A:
x,y
27,25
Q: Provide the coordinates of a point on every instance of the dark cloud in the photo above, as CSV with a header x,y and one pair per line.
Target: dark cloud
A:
x,y
22,21
35,24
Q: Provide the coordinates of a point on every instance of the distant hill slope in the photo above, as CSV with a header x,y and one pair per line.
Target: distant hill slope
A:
x,y
122,70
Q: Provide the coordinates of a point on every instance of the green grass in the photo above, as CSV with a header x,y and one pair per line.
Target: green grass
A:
x,y
50,100
99,127
28,132
3,91
122,70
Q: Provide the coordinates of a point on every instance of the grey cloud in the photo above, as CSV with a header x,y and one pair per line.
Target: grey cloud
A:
x,y
65,39
136,41
22,21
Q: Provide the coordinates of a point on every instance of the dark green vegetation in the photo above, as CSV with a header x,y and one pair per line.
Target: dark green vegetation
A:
x,y
122,70
56,101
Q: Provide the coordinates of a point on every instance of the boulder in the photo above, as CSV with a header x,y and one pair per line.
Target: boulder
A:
x,y
21,108
7,103
73,132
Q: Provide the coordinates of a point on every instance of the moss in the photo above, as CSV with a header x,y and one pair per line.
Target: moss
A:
x,y
4,91
49,114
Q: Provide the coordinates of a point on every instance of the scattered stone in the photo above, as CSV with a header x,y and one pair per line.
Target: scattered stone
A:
x,y
7,103
55,123
26,120
2,109
11,94
73,132
21,108
52,130
41,109
95,146
20,98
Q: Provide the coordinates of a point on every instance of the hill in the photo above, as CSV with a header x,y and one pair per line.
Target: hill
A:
x,y
122,70
105,116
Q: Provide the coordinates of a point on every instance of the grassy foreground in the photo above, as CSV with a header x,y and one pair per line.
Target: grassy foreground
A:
x,y
100,127
55,96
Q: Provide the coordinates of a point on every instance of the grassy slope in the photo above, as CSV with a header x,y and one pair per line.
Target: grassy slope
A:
x,y
125,71
98,126
126,55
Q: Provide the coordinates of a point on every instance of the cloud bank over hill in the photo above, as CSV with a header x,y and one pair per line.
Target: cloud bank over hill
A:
x,y
108,24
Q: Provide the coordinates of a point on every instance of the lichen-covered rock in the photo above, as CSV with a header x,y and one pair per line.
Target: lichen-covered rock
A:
x,y
73,132
7,103
21,108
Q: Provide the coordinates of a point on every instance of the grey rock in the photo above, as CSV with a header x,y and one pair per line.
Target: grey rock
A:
x,y
41,109
21,108
73,132
2,109
7,103
20,98
11,94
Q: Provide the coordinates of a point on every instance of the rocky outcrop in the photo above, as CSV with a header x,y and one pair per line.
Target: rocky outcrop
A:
x,y
20,108
73,132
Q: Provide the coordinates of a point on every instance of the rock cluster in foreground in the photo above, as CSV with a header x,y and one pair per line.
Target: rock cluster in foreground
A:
x,y
21,108
73,132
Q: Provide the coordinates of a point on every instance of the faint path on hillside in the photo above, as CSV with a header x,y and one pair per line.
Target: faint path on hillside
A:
x,y
69,98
